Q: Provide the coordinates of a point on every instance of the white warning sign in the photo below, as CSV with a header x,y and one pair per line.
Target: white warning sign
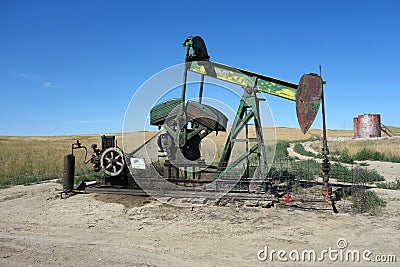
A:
x,y
138,163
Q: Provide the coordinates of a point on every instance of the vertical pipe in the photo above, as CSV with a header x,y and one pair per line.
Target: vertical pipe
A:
x,y
201,88
247,174
201,95
69,173
325,151
185,73
182,116
183,93
325,142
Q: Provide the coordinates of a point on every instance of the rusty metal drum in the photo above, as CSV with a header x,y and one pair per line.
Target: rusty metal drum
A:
x,y
367,126
356,128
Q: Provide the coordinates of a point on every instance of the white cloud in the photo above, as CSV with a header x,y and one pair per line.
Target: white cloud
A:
x,y
46,84
35,78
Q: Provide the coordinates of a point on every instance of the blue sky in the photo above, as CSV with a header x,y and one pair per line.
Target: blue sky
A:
x,y
71,67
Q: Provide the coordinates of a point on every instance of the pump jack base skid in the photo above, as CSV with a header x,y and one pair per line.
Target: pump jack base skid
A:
x,y
183,193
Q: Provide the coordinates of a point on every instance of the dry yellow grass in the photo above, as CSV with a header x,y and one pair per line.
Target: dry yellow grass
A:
x,y
131,141
40,155
32,156
43,156
293,134
388,147
287,134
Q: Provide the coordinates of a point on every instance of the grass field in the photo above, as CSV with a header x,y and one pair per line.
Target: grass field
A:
x,y
26,160
388,147
32,159
364,149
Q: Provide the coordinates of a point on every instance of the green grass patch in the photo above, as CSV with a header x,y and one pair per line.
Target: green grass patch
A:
x,y
366,201
281,150
363,154
85,174
345,174
26,179
308,169
299,149
343,157
368,154
395,185
341,173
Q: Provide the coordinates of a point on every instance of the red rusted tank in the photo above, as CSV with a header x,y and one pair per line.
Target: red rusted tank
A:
x,y
356,127
367,126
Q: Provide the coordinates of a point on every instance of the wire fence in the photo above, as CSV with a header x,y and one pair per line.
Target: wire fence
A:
x,y
300,178
348,181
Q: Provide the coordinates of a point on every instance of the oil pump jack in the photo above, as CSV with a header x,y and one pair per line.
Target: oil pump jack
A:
x,y
187,122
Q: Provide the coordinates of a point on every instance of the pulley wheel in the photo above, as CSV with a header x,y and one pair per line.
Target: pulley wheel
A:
x,y
112,161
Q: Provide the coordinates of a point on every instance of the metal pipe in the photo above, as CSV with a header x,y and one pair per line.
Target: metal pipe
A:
x,y
185,73
183,93
324,139
182,121
247,174
325,150
69,173
201,88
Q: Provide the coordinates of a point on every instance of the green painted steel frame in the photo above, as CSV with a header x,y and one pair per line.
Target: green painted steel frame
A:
x,y
248,109
244,78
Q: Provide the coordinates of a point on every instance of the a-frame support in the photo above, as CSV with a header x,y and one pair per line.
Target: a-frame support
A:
x,y
247,112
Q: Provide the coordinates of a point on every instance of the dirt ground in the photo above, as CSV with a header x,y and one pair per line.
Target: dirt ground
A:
x,y
37,228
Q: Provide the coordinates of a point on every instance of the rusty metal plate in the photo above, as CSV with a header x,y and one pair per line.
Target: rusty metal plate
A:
x,y
308,97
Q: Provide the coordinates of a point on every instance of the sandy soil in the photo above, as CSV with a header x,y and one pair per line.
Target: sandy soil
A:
x,y
37,228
